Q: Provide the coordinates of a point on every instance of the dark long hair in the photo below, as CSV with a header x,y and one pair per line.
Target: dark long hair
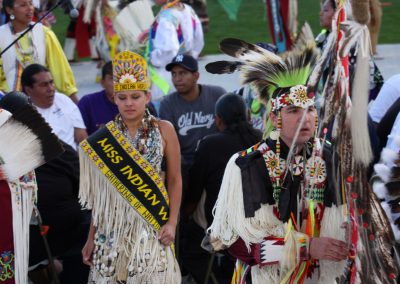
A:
x,y
231,109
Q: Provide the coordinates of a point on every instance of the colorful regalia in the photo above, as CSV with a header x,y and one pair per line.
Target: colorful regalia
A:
x,y
40,45
281,199
17,199
121,182
176,30
33,144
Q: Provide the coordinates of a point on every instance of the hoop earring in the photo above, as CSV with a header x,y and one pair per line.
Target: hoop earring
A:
x,y
12,17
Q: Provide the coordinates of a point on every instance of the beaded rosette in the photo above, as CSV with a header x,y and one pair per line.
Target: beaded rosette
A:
x,y
297,96
130,72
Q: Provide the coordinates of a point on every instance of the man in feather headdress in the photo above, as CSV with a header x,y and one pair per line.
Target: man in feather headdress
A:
x,y
277,211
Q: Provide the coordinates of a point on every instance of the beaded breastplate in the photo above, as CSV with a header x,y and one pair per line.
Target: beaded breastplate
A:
x,y
312,171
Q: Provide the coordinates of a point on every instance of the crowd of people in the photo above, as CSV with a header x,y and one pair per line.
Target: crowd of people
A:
x,y
166,180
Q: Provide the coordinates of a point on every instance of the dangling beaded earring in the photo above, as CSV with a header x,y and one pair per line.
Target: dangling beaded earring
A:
x,y
277,186
275,133
12,17
278,130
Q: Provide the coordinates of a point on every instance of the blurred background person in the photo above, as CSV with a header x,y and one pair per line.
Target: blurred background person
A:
x,y
2,14
40,45
235,133
374,25
59,112
176,30
328,9
99,108
200,7
190,110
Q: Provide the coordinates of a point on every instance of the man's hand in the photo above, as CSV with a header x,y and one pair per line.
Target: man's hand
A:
x,y
167,234
329,249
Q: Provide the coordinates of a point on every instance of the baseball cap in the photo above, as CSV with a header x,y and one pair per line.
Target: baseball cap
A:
x,y
186,61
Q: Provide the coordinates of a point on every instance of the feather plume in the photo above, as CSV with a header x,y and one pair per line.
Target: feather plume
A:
x,y
245,51
264,70
383,242
304,37
316,74
267,71
223,67
396,141
388,156
380,190
388,172
360,91
353,32
30,141
383,171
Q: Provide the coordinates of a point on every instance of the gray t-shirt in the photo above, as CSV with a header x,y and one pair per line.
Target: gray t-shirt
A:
x,y
192,120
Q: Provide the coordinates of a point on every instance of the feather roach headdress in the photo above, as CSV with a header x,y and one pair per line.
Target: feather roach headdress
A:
x,y
27,140
279,79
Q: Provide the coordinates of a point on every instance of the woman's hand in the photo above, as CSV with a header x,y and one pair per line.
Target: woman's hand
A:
x,y
167,234
87,252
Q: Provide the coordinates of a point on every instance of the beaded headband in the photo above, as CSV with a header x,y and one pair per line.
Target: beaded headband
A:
x,y
296,95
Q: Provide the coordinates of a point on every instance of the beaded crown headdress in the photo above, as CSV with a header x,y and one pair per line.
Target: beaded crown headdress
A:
x,y
130,72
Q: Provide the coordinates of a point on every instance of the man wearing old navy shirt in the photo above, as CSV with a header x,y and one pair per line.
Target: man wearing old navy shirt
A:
x,y
97,109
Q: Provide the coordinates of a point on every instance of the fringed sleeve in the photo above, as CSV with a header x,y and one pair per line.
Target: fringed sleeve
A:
x,y
86,192
229,215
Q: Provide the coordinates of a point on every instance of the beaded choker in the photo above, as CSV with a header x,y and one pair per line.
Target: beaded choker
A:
x,y
147,139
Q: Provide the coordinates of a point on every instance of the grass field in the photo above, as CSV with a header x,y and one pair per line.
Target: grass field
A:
x,y
252,25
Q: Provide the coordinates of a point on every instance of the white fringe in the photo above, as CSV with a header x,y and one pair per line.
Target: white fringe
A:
x,y
230,224
21,151
22,197
332,220
362,152
266,274
133,237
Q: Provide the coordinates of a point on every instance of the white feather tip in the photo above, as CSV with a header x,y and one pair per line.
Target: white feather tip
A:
x,y
380,190
383,172
388,156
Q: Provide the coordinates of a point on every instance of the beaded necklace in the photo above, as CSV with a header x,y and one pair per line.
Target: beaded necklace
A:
x,y
312,169
25,57
147,139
